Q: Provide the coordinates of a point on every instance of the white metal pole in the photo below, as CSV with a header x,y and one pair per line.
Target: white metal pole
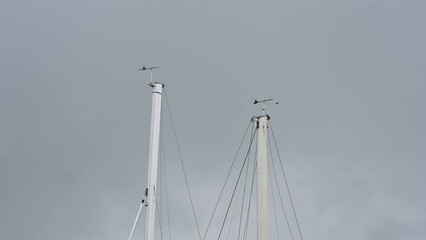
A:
x,y
262,178
157,90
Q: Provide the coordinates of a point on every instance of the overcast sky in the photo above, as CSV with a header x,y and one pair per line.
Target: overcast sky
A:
x,y
74,110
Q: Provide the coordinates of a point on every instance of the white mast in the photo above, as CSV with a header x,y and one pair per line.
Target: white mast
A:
x,y
262,178
262,173
157,90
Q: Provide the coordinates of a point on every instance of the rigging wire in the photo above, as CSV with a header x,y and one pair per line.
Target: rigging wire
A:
x,y
236,185
279,191
159,222
183,166
232,220
226,179
250,198
245,185
273,200
286,183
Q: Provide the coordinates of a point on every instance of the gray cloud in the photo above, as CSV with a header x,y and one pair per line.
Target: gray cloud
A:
x,y
74,110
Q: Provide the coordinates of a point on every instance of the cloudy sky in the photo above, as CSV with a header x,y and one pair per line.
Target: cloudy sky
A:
x,y
74,110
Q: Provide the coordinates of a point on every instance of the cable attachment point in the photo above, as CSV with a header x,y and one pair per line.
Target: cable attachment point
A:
x,y
145,201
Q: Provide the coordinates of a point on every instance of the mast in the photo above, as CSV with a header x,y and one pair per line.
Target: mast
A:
x,y
157,90
262,173
262,178
150,192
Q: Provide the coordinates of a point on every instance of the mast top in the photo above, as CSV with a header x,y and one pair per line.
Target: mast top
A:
x,y
264,102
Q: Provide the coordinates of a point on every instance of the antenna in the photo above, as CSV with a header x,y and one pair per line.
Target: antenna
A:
x,y
144,68
264,102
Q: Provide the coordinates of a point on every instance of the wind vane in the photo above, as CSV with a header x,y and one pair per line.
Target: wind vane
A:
x,y
264,101
144,68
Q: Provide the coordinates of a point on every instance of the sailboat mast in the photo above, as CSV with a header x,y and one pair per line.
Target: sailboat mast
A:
x,y
262,171
262,177
157,90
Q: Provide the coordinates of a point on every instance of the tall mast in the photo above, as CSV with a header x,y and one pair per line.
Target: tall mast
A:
x,y
157,90
262,178
262,172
